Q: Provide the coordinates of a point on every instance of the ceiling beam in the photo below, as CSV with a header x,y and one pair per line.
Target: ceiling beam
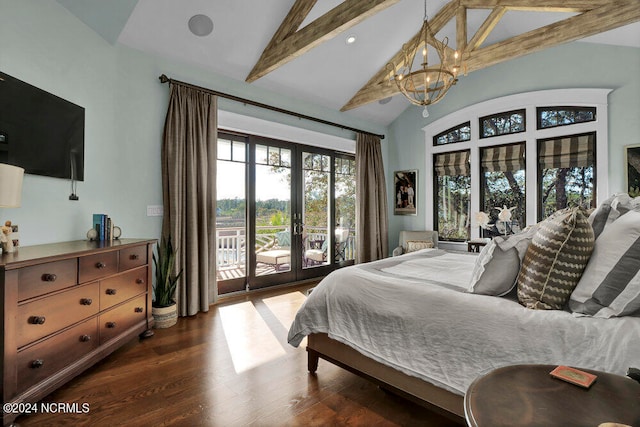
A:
x,y
605,18
292,21
487,26
601,16
289,42
537,5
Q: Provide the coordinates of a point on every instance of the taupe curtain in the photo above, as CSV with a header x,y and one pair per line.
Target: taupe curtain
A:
x,y
503,158
570,152
452,164
372,238
188,187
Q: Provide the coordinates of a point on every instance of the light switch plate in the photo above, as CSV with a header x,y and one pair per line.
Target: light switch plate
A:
x,y
155,210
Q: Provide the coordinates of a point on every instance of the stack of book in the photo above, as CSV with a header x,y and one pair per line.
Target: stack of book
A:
x,y
104,227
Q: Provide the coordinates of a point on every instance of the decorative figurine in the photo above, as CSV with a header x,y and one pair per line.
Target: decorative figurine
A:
x,y
5,237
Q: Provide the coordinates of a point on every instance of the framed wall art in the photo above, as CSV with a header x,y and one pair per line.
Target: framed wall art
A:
x,y
632,162
406,192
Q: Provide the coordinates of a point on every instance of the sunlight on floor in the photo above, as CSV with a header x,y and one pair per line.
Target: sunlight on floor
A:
x,y
246,332
285,307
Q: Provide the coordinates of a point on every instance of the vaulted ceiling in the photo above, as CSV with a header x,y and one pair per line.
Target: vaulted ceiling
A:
x,y
298,48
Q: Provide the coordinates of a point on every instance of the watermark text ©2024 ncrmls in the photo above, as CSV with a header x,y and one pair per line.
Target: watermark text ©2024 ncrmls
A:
x,y
46,408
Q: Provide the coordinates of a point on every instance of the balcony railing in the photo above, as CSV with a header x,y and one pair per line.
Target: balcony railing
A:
x,y
232,241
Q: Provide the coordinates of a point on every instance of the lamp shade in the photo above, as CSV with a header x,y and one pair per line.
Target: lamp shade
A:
x,y
10,186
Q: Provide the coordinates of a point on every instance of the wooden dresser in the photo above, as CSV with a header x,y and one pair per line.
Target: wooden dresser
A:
x,y
65,307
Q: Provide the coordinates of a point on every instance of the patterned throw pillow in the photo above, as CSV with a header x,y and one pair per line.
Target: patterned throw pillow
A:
x,y
416,245
555,260
610,285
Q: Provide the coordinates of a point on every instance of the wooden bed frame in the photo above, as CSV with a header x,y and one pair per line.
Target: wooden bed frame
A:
x,y
419,391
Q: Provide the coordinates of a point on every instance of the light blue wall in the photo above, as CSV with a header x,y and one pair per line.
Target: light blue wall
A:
x,y
582,65
43,44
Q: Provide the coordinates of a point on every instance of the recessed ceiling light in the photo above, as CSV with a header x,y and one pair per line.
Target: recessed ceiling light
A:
x,y
351,39
200,25
384,100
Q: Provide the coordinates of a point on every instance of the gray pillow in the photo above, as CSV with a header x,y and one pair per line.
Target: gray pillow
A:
x,y
610,285
555,260
498,264
611,209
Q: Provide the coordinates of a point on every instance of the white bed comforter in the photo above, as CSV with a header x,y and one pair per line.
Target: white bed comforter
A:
x,y
413,313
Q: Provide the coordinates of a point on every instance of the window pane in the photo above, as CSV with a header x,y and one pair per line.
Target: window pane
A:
x,y
503,184
502,124
326,163
567,171
285,157
562,116
453,185
317,239
274,156
272,217
224,149
457,134
345,198
239,151
231,221
261,154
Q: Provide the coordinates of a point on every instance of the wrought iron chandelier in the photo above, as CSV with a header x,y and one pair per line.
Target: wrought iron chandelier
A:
x,y
422,84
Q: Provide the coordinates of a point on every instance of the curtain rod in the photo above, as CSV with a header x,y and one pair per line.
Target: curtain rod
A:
x,y
164,79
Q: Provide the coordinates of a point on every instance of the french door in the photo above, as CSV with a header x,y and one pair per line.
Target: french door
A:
x,y
285,213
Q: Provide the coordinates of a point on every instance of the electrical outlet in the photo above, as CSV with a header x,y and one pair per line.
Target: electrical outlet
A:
x,y
155,210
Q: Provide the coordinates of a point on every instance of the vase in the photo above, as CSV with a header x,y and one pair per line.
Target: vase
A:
x,y
165,317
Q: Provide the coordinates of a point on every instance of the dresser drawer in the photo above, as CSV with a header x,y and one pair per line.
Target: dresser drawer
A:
x,y
48,277
94,267
117,320
132,258
46,315
37,362
120,288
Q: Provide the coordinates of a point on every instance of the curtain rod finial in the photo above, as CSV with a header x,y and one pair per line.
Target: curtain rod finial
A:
x,y
163,78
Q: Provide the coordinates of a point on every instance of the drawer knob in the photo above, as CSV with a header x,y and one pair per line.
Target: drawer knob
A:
x,y
140,281
37,320
86,301
37,363
49,277
110,291
101,265
134,257
111,325
85,338
139,309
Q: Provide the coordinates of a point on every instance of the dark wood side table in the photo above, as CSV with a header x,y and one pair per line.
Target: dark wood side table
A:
x,y
475,245
526,395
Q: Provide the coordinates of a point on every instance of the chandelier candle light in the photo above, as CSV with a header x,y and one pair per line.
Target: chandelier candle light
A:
x,y
424,85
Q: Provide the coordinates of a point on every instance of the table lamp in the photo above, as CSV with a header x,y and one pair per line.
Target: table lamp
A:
x,y
10,195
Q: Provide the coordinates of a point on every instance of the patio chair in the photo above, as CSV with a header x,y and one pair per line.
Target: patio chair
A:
x,y
279,253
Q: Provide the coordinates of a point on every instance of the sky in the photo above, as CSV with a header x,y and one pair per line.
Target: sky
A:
x,y
231,182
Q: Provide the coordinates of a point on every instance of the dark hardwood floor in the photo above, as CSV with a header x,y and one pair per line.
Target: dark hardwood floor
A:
x,y
229,367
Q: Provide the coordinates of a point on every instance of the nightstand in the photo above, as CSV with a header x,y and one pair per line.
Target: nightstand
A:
x,y
475,245
525,395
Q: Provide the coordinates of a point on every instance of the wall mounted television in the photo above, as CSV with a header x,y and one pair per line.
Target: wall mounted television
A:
x,y
39,131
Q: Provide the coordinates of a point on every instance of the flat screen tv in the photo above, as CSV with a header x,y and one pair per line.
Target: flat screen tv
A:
x,y
39,131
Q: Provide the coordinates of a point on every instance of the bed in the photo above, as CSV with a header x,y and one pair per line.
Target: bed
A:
x,y
409,323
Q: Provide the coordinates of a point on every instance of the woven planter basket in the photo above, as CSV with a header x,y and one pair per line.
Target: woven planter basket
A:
x,y
165,317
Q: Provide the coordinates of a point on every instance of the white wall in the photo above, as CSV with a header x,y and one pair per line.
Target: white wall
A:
x,y
125,104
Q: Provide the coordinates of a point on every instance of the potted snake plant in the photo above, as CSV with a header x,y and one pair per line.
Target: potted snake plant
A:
x,y
164,308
